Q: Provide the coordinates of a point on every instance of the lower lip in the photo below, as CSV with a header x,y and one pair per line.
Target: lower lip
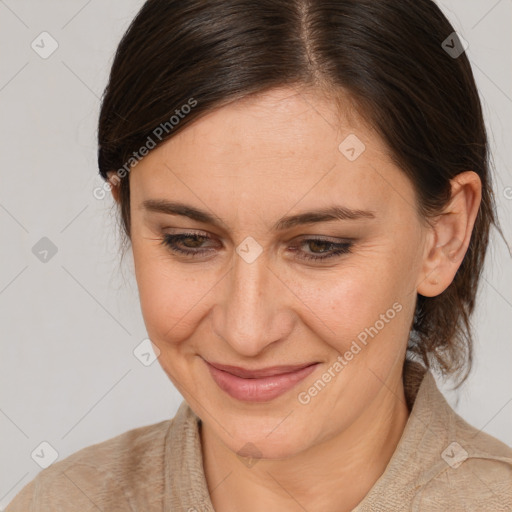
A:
x,y
258,390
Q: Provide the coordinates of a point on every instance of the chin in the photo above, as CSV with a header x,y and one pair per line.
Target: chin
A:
x,y
250,441
264,449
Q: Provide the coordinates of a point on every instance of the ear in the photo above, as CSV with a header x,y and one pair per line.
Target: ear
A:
x,y
114,181
450,235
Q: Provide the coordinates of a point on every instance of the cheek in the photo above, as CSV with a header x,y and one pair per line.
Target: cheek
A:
x,y
359,302
350,303
171,295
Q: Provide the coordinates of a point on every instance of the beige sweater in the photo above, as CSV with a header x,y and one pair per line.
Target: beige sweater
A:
x,y
440,464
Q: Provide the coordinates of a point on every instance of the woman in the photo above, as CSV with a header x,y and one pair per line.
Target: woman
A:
x,y
306,190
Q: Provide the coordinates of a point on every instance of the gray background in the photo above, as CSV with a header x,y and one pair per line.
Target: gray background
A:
x,y
69,325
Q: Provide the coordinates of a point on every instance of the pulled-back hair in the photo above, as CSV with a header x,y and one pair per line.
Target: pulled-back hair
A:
x,y
399,60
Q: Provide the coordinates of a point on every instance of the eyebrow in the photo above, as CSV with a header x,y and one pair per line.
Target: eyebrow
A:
x,y
288,222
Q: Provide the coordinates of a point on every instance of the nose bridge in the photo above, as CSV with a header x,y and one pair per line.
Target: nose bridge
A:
x,y
249,307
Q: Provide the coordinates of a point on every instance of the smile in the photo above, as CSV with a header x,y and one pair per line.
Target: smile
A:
x,y
260,385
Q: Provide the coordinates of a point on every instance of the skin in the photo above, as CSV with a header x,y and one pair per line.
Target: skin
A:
x,y
249,164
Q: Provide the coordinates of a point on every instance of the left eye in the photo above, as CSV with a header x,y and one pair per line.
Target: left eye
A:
x,y
191,245
333,248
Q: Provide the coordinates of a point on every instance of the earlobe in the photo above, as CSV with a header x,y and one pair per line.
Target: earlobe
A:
x,y
450,235
114,182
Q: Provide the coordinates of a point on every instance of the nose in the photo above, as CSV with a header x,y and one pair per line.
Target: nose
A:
x,y
253,311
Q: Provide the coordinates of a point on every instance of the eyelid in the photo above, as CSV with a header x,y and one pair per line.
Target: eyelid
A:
x,y
325,238
209,235
187,231
297,239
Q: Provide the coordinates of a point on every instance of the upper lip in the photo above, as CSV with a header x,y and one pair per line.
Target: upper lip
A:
x,y
259,372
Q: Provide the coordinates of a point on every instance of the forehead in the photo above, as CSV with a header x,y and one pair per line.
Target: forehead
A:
x,y
279,146
279,123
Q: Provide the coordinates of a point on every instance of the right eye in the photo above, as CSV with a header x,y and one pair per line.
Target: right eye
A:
x,y
187,244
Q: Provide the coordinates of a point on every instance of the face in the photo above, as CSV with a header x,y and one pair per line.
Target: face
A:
x,y
251,281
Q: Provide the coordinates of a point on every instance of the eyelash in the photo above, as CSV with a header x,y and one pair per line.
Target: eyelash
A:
x,y
171,241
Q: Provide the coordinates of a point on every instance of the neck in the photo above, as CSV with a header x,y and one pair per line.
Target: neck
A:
x,y
332,476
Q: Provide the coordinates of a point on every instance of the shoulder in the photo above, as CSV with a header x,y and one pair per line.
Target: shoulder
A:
x,y
475,471
121,473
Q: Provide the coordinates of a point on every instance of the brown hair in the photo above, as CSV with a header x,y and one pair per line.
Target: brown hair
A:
x,y
391,56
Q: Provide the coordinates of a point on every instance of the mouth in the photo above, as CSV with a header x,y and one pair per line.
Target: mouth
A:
x,y
258,385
